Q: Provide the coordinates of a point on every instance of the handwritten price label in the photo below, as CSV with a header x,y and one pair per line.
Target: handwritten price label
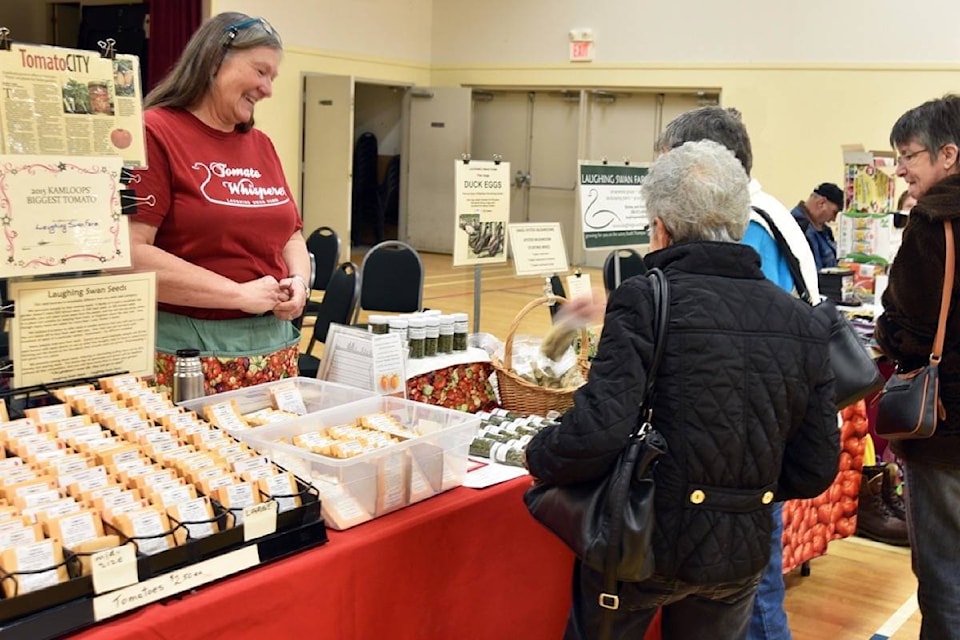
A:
x,y
259,520
174,582
114,568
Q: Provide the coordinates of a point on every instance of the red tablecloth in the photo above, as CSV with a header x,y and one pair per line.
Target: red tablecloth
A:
x,y
465,564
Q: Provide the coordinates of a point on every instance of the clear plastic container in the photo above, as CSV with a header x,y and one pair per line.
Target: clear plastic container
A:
x,y
357,489
317,395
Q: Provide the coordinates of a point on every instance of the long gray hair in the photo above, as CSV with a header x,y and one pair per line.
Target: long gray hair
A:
x,y
192,75
699,191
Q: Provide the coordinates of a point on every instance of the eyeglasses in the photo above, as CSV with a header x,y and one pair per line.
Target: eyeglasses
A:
x,y
907,158
234,30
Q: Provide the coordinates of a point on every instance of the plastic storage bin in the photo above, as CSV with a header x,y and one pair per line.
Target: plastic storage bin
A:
x,y
357,489
316,394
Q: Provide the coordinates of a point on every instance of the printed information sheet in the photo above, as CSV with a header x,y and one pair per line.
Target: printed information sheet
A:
x,y
360,359
538,248
61,215
483,211
83,327
71,102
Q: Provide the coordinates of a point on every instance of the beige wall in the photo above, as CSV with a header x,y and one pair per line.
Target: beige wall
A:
x,y
799,110
798,116
300,20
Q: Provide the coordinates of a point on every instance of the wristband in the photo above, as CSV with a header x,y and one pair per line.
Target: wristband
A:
x,y
299,278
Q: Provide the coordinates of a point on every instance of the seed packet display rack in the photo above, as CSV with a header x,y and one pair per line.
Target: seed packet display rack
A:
x,y
69,606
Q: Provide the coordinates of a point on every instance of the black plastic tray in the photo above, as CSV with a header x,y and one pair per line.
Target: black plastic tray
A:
x,y
67,607
149,566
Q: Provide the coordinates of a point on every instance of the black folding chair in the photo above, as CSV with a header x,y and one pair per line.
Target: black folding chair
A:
x,y
339,301
324,244
631,264
392,279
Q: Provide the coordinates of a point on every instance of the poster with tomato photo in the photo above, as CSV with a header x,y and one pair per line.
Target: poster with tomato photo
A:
x,y
71,102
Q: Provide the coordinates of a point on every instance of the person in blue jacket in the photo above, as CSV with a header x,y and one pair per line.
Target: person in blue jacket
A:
x,y
813,214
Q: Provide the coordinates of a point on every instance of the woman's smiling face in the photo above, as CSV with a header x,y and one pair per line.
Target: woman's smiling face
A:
x,y
245,77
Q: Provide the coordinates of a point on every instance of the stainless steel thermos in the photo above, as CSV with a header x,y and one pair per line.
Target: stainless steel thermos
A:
x,y
187,375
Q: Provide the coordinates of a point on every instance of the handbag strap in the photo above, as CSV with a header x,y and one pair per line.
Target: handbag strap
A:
x,y
792,263
626,464
661,306
948,273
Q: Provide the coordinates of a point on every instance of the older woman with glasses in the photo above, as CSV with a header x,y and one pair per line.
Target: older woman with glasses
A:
x,y
927,139
743,397
216,219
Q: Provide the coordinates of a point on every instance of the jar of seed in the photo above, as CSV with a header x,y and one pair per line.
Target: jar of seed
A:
x,y
378,324
460,321
445,341
432,336
416,336
399,326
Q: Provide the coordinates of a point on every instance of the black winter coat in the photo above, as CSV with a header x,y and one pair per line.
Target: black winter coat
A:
x,y
744,398
911,308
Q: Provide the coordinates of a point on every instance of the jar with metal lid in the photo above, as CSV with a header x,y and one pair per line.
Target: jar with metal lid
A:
x,y
416,336
187,375
445,340
432,336
460,321
378,324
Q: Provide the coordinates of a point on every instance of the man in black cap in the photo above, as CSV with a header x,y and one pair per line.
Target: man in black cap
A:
x,y
821,207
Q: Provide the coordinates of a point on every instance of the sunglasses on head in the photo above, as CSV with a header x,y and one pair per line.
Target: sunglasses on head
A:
x,y
234,30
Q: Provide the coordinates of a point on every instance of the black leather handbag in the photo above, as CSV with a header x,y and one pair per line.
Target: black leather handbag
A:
x,y
608,523
855,372
910,403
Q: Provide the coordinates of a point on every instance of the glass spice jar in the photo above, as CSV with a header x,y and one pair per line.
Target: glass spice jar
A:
x,y
399,326
460,331
445,340
481,446
432,336
416,337
378,324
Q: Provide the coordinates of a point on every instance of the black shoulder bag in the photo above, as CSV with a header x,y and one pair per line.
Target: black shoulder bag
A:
x,y
609,522
854,370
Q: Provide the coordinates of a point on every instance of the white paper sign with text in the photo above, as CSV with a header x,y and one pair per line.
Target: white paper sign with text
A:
x,y
61,215
483,211
538,248
360,359
83,327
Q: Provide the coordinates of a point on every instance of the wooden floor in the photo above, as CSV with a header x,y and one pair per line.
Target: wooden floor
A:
x,y
860,590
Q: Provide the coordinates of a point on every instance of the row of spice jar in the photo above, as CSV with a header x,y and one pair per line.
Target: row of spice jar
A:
x,y
428,333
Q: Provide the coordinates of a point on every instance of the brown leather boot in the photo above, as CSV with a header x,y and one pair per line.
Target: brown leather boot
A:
x,y
891,480
877,518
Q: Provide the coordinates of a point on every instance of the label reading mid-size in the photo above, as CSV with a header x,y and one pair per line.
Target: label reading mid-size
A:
x,y
259,520
114,568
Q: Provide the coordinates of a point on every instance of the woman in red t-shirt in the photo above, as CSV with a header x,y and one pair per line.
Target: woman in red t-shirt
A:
x,y
216,219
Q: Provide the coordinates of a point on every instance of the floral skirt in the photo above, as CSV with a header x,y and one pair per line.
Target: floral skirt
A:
x,y
233,353
226,374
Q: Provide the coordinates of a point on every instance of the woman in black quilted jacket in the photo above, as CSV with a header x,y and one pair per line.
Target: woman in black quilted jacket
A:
x,y
744,398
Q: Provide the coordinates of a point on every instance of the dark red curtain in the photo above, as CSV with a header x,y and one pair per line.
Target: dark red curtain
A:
x,y
172,22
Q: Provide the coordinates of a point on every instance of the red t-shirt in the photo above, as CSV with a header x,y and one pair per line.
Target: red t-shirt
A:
x,y
218,199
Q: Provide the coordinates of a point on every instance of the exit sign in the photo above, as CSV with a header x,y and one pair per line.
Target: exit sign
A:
x,y
581,51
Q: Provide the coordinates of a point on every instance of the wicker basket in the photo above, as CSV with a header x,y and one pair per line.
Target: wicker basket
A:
x,y
523,396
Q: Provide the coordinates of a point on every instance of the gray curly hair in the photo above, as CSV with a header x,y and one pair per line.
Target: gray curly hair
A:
x,y
699,191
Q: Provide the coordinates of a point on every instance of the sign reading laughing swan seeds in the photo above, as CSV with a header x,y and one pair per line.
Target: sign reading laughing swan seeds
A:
x,y
83,327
